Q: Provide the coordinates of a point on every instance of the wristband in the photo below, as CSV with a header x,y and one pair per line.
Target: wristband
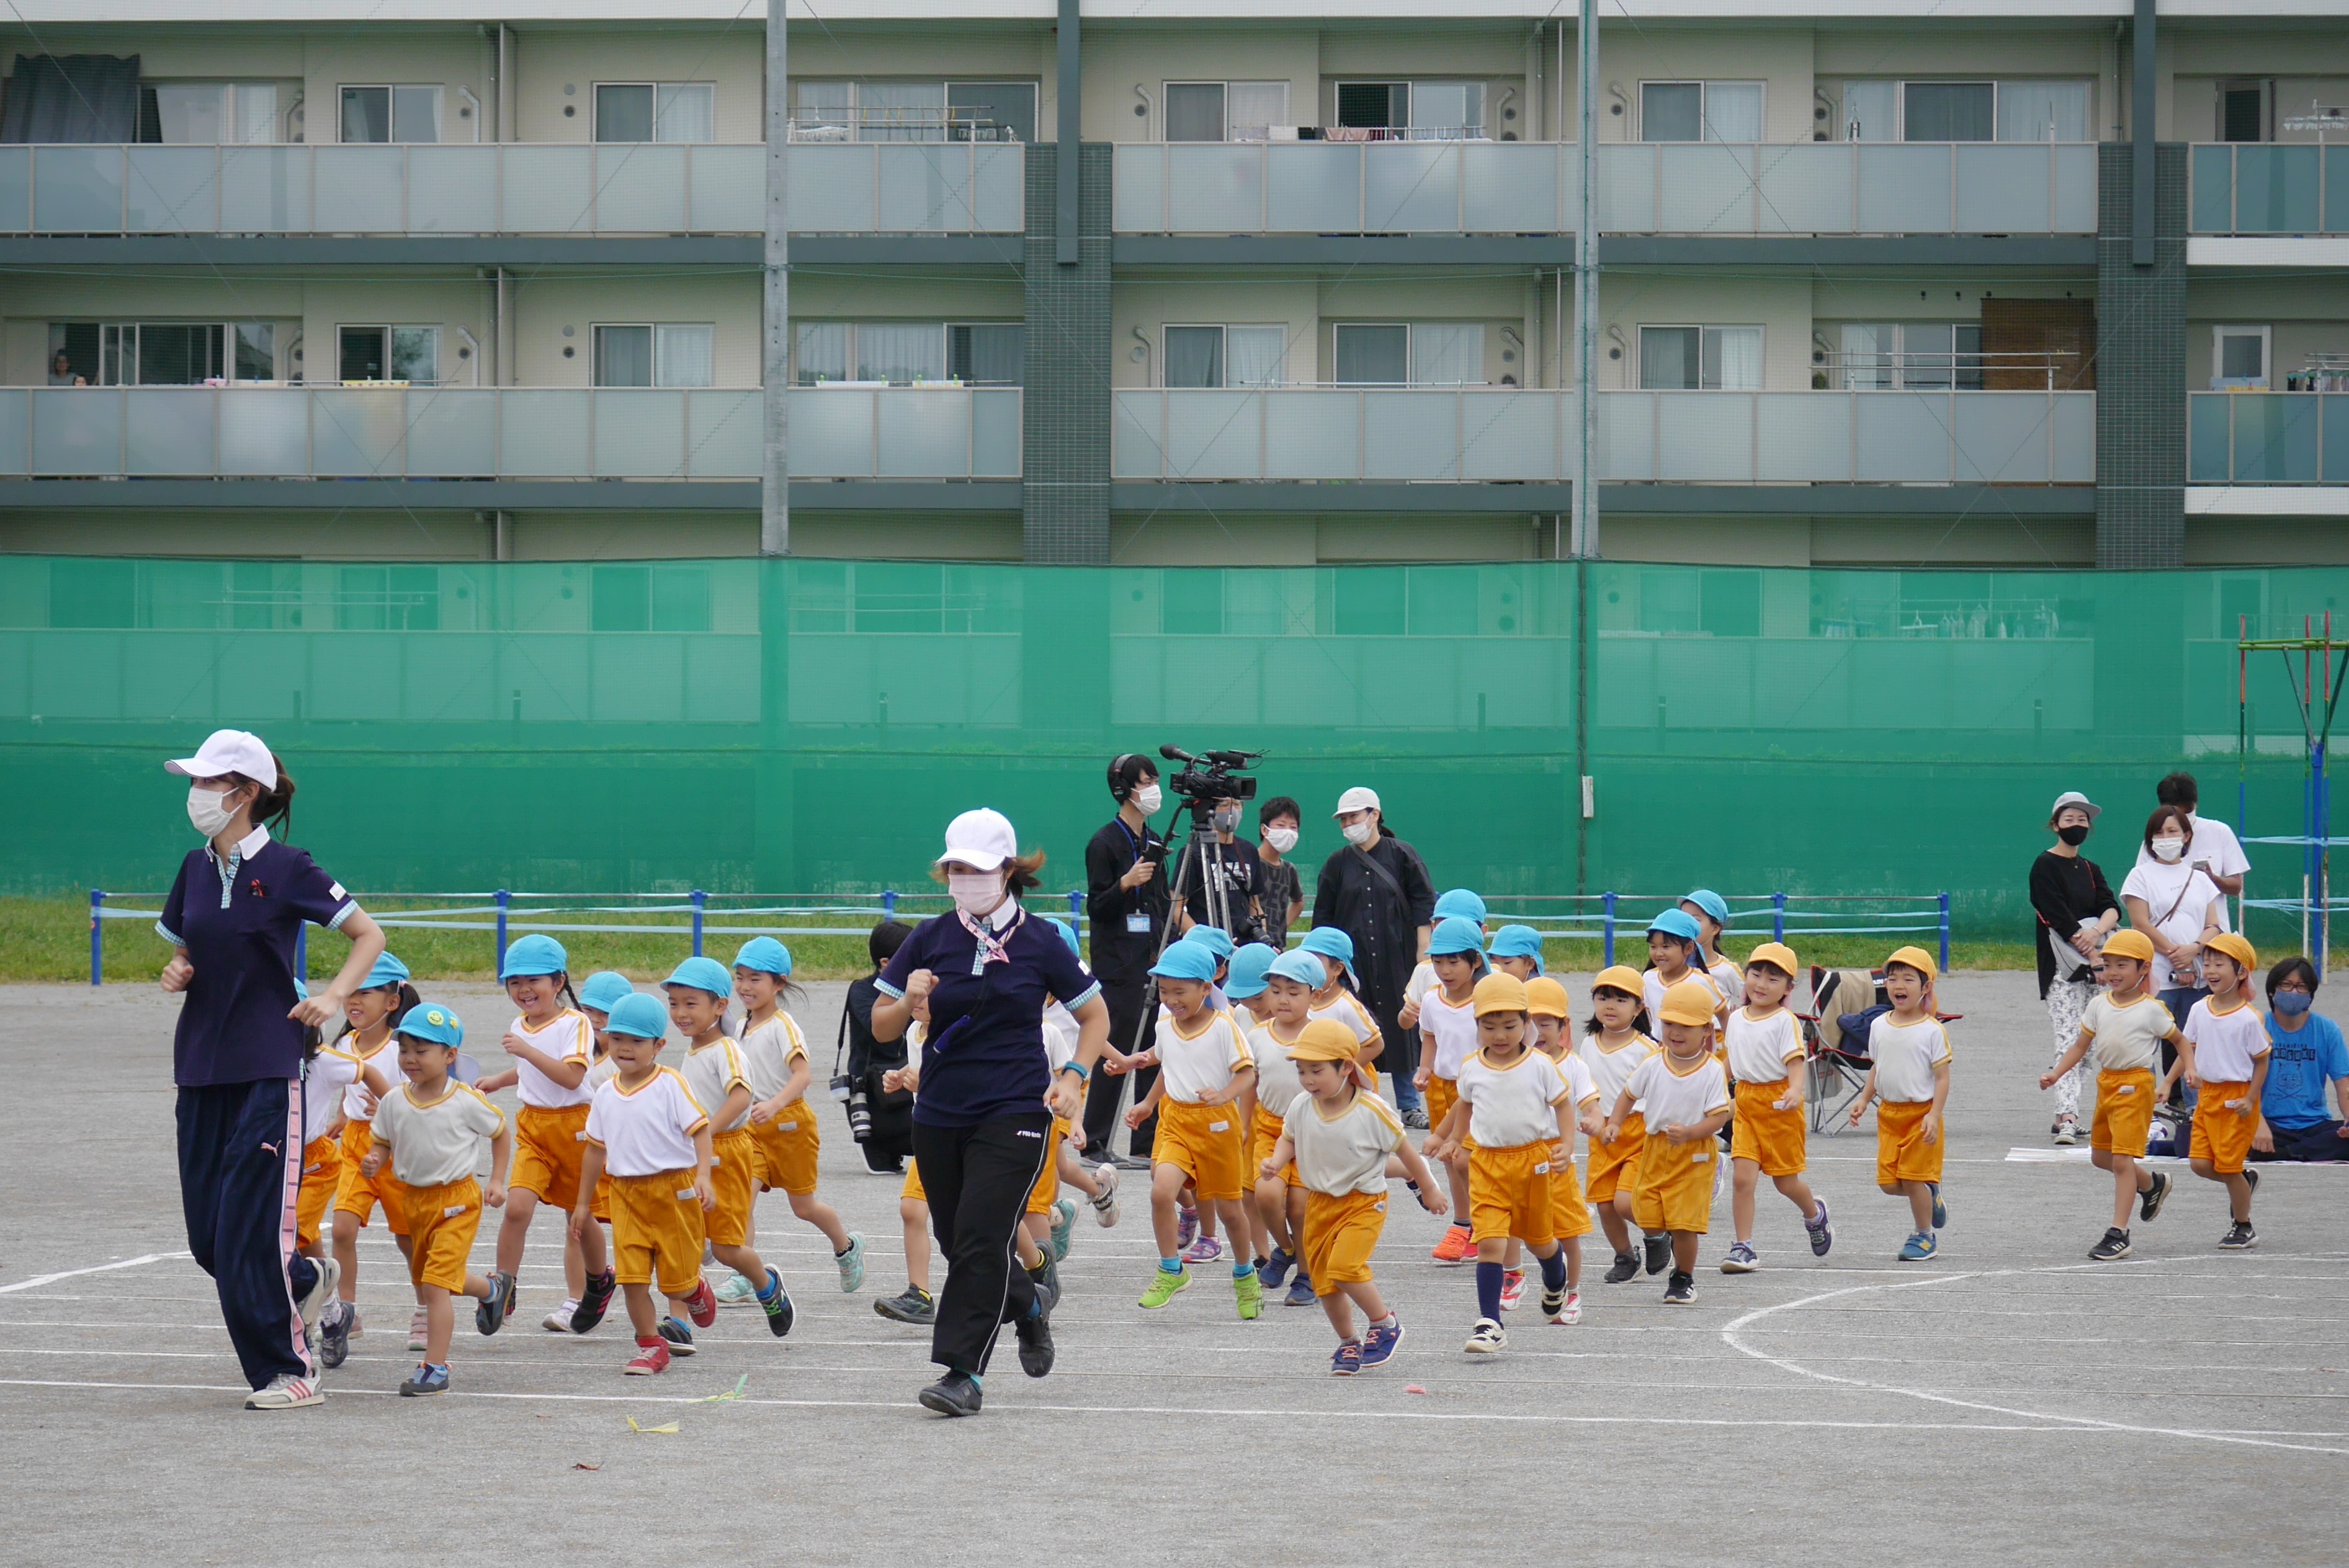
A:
x,y
1079,1069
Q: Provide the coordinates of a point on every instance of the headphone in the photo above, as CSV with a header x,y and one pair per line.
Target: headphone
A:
x,y
1120,787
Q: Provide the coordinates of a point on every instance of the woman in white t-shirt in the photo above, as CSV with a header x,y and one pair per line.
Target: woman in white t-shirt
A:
x,y
2175,902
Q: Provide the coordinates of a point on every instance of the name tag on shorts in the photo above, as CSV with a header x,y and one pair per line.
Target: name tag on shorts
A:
x,y
1379,1207
688,1192
1219,1126
787,1126
581,1135
1137,925
2124,1088
1699,1157
1542,1169
716,1160
453,1210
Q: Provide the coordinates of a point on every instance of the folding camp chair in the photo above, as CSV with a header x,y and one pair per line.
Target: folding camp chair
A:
x,y
1839,1065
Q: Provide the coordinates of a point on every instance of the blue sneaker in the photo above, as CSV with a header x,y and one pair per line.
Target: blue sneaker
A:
x,y
1348,1359
1919,1247
1187,1229
1064,1218
1301,1292
426,1379
1822,1233
1275,1269
1379,1345
680,1336
1940,1214
851,1264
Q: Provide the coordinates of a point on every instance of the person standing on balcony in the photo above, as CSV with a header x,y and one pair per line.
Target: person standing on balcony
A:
x,y
239,1050
1377,891
1129,906
2076,911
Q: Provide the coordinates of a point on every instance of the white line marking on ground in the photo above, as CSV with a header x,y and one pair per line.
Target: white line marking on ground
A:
x,y
136,1263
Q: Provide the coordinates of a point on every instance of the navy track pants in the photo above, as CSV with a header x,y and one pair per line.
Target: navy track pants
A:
x,y
240,1174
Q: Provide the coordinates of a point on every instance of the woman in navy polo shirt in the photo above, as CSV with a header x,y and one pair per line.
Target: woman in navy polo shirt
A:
x,y
979,977
233,914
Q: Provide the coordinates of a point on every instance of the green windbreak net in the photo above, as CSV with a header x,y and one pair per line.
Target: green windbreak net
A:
x,y
799,726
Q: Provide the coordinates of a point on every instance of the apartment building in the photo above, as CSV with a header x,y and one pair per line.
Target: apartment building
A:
x,y
2017,283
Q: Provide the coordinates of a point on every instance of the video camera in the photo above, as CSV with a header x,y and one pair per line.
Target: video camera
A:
x,y
1209,778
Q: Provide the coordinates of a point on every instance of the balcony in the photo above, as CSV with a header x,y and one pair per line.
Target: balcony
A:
x,y
2267,438
569,189
2265,188
1472,435
1659,188
501,434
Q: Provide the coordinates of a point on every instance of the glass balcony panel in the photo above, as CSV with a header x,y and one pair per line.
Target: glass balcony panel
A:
x,y
265,190
2076,189
924,434
726,430
1001,197
1506,187
1707,187
2003,189
1215,188
1313,433
1628,187
172,190
639,433
994,434
1410,435
1626,436
1515,435
1904,189
358,190
831,433
542,434
729,189
1705,436
2334,457
452,433
1316,187
548,190
2276,189
1803,436
2213,195
2275,437
77,189
1214,434
1806,188
2206,437
453,189
1136,450
169,432
1138,188
2074,437
1411,187
2003,438
835,190
265,432
927,188
77,431
640,187
356,433
15,415
1904,437
16,190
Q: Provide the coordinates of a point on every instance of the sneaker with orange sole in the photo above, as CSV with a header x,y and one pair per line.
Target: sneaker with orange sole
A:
x,y
1457,1246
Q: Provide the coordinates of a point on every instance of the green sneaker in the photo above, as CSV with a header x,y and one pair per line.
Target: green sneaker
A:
x,y
1064,1220
1165,1287
1251,1292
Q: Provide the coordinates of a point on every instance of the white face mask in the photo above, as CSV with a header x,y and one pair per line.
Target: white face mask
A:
x,y
1362,834
975,893
207,809
2168,850
1282,839
1147,799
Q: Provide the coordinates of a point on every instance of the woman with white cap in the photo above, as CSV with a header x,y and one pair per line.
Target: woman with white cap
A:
x,y
232,918
2077,913
1376,890
979,979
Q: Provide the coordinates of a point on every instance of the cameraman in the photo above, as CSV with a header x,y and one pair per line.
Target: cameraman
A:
x,y
1232,869
1129,906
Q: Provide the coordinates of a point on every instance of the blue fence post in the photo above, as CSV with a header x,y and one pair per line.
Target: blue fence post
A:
x,y
302,959
505,903
1608,928
701,903
1944,900
97,940
888,903
1076,911
1777,917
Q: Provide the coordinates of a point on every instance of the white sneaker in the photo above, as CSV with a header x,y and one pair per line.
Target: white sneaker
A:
x,y
1488,1337
417,1329
559,1320
737,1291
285,1392
322,1291
1104,1202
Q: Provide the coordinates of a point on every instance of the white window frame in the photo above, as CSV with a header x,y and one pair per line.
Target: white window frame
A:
x,y
1226,84
123,332
1901,86
1338,326
946,355
2220,333
1762,358
1224,356
596,110
659,360
391,115
1897,357
233,90
1408,131
1704,85
388,328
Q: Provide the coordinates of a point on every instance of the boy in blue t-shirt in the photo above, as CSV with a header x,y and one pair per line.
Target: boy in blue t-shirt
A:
x,y
2308,1053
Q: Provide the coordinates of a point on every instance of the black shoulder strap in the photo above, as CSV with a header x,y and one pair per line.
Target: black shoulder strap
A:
x,y
1386,876
840,1042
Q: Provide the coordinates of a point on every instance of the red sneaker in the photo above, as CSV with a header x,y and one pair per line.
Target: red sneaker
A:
x,y
703,1305
1455,1247
652,1355
1512,1289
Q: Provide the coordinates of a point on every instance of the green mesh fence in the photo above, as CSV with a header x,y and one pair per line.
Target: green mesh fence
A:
x,y
809,726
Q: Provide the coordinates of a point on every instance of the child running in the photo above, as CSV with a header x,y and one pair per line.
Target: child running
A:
x,y
328,1076
1614,1042
713,1072
782,1128
1518,951
1447,1028
1335,997
373,1011
431,1131
1710,910
2126,1028
1675,953
1687,1099
1251,1009
1280,1194
1518,1107
1766,1138
1204,1071
915,1305
1458,902
1909,1081
551,1046
1337,1137
599,994
2225,1062
1553,1016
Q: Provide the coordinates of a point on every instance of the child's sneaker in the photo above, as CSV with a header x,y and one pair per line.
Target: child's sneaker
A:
x,y
2116,1244
1301,1292
1659,1250
2149,1202
334,1333
679,1337
1276,1268
1941,1211
1512,1289
652,1355
1186,1228
490,1317
426,1379
1742,1260
1822,1234
914,1306
734,1291
1487,1339
1249,1292
1205,1250
1348,1359
1569,1310
595,1303
1379,1345
1553,1303
1918,1248
2066,1132
1457,1246
417,1328
776,1303
1104,1201
851,1264
1064,1220
559,1320
1680,1290
1164,1286
1625,1266
324,1275
702,1303
2239,1236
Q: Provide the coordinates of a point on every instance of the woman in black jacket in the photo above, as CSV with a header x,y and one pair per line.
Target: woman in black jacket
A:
x,y
2076,910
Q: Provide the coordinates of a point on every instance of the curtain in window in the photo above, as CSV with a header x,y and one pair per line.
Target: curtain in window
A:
x,y
2043,111
1194,112
1669,358
1672,111
1948,111
1255,107
1871,112
256,113
623,111
900,351
1866,355
687,112
683,355
1452,108
1740,355
1252,355
1733,111
189,113
1448,353
1194,356
72,98
820,109
822,352
901,111
991,353
1371,355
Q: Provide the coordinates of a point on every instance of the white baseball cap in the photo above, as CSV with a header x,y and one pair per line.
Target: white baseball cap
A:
x,y
1358,798
226,752
2074,797
981,840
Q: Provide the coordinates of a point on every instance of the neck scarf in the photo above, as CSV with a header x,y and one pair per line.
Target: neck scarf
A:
x,y
991,942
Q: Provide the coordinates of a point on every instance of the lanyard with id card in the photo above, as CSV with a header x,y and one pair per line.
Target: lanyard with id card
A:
x,y
1137,921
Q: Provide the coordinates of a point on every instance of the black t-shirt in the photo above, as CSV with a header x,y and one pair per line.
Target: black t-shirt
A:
x,y
983,1052
1128,923
1278,890
1233,868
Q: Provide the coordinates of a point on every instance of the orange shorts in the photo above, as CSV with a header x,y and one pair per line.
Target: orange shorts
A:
x,y
2221,1136
913,1187
1443,1094
1673,1190
440,1224
1569,1215
656,1231
787,1146
2123,1111
1263,1139
548,1142
1509,1193
357,1194
734,1178
1205,1143
1341,1230
1761,1132
1047,1190
1612,1164
1901,1152
322,1176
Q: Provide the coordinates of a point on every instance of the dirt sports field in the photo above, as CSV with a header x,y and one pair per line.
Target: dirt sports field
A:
x,y
2009,1402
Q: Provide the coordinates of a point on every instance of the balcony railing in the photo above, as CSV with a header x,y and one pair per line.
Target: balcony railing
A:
x,y
1470,435
512,188
2267,438
510,432
1666,188
2267,187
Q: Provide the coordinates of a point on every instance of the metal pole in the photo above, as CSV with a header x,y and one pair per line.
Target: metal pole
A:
x,y
1943,899
96,938
775,475
1585,495
888,903
1608,931
701,903
1777,917
505,903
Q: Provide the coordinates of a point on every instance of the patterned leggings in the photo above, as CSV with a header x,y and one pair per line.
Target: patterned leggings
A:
x,y
2067,1000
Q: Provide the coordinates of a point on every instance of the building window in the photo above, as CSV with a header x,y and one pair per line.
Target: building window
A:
x,y
1701,359
406,354
913,110
160,353
649,598
1411,354
1225,355
1224,111
2246,110
987,354
391,113
1919,356
2026,110
908,352
207,114
661,354
2239,357
1701,111
655,111
1421,111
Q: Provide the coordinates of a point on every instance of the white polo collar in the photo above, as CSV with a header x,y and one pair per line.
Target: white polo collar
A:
x,y
247,848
